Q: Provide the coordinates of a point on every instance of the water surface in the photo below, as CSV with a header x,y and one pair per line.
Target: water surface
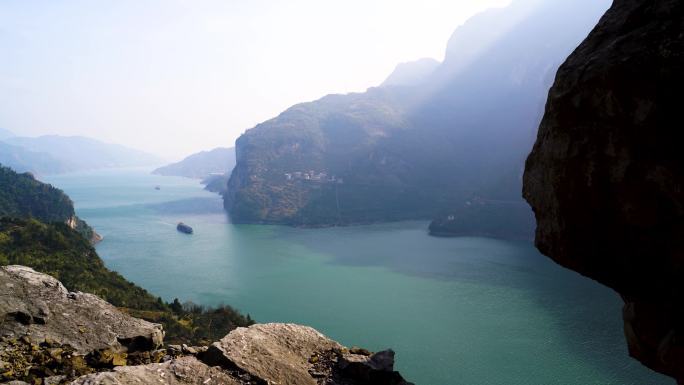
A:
x,y
470,311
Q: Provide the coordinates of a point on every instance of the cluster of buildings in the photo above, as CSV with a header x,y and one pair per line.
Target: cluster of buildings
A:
x,y
311,175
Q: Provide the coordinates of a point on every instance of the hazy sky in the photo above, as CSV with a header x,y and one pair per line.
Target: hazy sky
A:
x,y
178,76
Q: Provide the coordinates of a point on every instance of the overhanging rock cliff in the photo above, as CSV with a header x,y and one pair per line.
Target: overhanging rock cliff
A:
x,y
605,177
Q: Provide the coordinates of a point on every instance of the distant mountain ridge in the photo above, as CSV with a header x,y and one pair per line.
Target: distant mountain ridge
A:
x,y
411,73
202,164
54,154
415,152
4,133
23,160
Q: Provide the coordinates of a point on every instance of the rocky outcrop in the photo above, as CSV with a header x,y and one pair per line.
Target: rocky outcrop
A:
x,y
276,353
51,336
605,176
289,354
38,305
80,226
181,371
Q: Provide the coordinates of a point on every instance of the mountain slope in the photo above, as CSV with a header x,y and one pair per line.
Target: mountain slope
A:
x,y
202,164
81,153
273,182
411,73
4,133
411,152
38,229
63,253
57,250
22,196
23,160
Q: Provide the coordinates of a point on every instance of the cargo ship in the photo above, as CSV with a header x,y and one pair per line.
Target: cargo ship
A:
x,y
183,228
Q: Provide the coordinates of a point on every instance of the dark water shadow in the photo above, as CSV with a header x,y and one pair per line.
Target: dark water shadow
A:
x,y
188,206
197,206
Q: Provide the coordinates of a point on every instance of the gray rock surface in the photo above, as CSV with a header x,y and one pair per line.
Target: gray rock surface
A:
x,y
289,354
39,305
180,371
373,369
52,336
276,353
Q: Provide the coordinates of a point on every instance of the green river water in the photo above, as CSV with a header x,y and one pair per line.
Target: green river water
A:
x,y
471,311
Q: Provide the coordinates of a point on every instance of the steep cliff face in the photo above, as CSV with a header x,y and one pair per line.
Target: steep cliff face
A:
x,y
314,163
415,151
605,176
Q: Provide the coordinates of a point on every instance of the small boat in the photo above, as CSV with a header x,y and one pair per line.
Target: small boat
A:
x,y
183,228
157,187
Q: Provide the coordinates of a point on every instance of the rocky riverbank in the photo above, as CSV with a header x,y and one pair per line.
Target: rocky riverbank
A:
x,y
49,335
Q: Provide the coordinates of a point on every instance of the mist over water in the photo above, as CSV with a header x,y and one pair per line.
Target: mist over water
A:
x,y
456,310
291,98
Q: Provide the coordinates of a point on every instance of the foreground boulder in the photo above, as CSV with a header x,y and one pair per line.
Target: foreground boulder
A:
x,y
263,354
289,354
277,353
39,306
606,175
51,336
180,371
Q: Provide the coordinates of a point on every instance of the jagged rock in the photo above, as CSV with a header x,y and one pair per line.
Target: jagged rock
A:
x,y
38,305
381,361
605,177
275,353
27,360
180,371
53,380
374,369
52,336
361,351
288,354
194,350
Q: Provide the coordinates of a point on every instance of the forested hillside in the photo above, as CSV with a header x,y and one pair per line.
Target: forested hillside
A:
x,y
38,229
22,196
